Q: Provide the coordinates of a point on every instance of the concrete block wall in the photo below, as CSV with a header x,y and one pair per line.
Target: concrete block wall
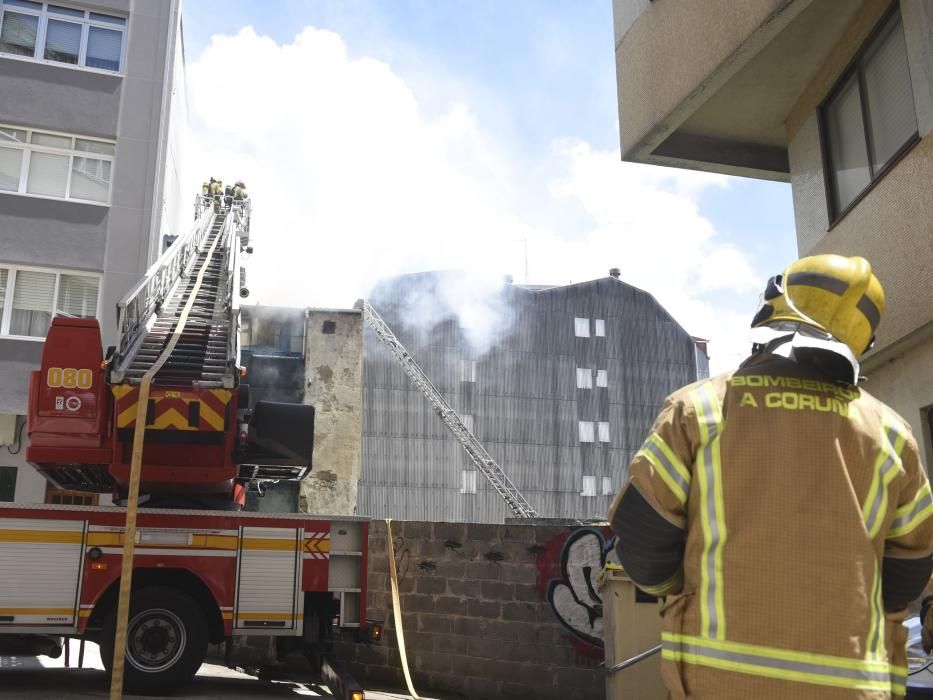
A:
x,y
487,611
334,386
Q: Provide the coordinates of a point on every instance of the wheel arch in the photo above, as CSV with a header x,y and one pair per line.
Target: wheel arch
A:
x,y
182,580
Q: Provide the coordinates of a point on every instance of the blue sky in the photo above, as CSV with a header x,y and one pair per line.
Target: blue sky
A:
x,y
536,83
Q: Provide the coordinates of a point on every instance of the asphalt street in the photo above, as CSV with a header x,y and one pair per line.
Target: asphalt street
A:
x,y
35,678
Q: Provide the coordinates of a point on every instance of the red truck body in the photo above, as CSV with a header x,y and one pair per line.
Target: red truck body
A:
x,y
62,563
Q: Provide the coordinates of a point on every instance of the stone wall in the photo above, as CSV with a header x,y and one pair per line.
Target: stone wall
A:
x,y
489,611
334,386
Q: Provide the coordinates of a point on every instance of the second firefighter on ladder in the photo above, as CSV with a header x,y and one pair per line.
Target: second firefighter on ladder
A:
x,y
782,511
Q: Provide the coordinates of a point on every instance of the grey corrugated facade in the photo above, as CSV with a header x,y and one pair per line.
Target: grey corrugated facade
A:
x,y
134,108
524,403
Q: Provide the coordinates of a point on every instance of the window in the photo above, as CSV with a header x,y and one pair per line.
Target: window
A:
x,y
467,420
56,34
581,327
589,486
7,483
467,370
603,432
70,498
586,431
329,327
55,165
602,378
600,328
584,378
30,297
607,486
468,481
869,117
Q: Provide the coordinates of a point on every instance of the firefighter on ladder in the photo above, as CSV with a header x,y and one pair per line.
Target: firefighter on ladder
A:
x,y
781,511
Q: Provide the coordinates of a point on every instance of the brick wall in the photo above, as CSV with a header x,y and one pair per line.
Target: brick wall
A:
x,y
478,617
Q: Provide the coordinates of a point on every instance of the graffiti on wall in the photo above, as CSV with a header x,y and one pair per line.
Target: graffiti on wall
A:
x,y
568,569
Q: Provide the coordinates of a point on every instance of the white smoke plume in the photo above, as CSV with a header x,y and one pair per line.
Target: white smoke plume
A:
x,y
354,180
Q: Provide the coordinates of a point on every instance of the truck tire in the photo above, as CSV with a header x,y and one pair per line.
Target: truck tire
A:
x,y
166,641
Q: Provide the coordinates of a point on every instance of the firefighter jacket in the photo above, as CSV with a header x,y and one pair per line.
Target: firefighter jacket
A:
x,y
786,520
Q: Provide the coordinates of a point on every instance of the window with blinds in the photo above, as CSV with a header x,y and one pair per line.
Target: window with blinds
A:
x,y
4,276
77,296
586,430
869,118
29,298
602,378
55,165
18,31
603,432
581,327
56,34
607,486
467,370
589,486
600,328
468,481
11,159
31,307
584,378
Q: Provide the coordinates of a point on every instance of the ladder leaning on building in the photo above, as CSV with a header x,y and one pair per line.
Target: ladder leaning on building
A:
x,y
489,468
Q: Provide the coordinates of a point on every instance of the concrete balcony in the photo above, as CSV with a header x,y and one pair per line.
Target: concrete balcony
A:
x,y
709,85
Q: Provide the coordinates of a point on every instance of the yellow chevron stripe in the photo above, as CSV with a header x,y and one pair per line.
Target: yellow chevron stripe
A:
x,y
127,417
121,390
210,416
222,394
315,545
171,419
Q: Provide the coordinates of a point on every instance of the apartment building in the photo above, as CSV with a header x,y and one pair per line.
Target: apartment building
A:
x,y
834,97
92,124
560,383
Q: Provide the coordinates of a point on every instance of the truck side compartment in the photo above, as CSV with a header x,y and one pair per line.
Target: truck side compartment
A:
x,y
218,574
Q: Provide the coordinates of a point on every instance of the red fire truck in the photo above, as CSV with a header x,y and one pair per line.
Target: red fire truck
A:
x,y
204,571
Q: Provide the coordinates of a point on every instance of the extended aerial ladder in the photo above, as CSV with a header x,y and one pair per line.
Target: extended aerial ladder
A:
x,y
180,326
149,313
487,466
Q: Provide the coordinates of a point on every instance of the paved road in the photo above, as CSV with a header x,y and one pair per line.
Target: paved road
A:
x,y
41,678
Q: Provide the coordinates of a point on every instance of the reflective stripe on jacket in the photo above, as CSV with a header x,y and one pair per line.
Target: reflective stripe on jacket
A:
x,y
787,520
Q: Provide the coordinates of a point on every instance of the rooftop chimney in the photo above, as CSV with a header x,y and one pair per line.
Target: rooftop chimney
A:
x,y
615,272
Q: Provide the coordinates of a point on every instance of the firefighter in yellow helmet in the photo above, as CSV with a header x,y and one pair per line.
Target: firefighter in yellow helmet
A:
x,y
781,511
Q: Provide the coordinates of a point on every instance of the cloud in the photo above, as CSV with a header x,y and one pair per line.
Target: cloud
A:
x,y
354,180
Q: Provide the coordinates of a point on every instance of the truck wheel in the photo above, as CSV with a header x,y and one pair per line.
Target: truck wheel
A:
x,y
166,641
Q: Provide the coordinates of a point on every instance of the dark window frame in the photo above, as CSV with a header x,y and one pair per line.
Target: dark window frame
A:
x,y
856,66
15,472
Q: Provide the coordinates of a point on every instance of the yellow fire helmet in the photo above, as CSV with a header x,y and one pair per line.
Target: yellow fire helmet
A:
x,y
833,293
